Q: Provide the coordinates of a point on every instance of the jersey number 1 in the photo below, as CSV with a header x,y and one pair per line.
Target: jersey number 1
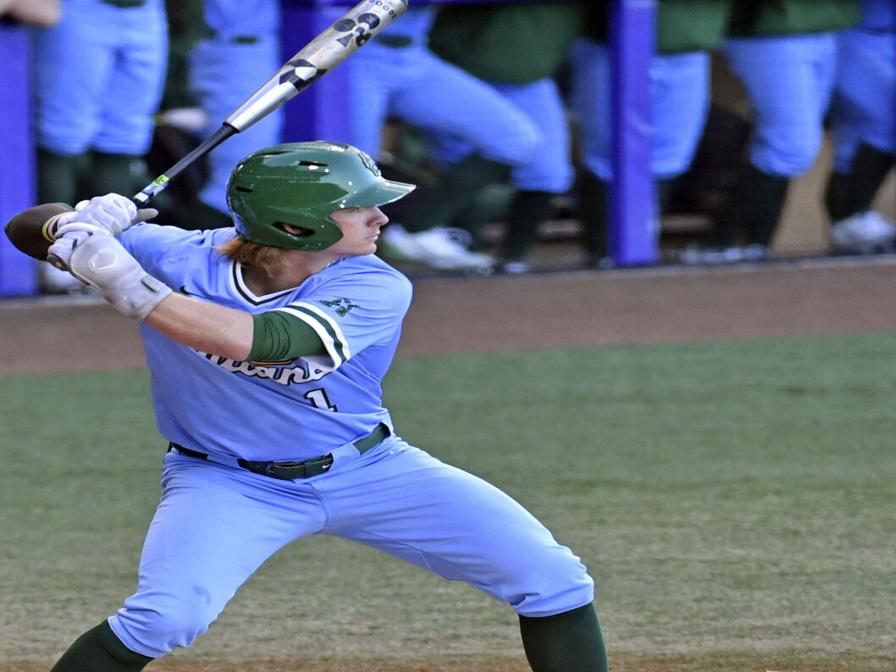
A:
x,y
318,397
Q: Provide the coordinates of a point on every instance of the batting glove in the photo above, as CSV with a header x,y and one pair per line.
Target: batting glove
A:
x,y
99,260
113,212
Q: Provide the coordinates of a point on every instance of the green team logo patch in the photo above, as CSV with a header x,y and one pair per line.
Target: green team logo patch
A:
x,y
340,306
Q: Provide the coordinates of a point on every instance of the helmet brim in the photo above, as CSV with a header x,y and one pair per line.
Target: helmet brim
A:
x,y
380,193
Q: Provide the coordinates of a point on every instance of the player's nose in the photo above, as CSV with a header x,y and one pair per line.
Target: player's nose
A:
x,y
378,217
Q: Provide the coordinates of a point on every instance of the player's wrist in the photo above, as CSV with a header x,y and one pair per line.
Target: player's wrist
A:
x,y
140,297
94,256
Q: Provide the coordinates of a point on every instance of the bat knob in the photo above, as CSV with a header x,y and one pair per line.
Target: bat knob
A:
x,y
57,262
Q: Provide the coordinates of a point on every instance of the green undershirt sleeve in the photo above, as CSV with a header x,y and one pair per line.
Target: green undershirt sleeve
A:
x,y
278,337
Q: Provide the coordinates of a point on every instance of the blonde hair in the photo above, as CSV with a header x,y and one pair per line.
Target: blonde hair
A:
x,y
252,255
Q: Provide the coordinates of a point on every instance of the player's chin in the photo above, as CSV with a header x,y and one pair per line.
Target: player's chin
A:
x,y
362,250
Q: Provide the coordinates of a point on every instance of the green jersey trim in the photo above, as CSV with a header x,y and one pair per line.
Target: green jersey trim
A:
x,y
325,327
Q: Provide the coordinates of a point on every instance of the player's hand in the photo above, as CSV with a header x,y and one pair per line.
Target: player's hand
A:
x,y
113,212
99,260
68,236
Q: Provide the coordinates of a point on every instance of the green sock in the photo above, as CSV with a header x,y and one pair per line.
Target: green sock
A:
x,y
567,642
528,210
119,173
126,174
60,176
594,198
457,189
853,191
754,207
663,186
99,650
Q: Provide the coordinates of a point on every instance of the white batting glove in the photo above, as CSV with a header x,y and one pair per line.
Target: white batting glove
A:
x,y
67,237
113,212
99,260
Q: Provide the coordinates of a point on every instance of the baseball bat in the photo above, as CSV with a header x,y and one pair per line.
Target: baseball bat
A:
x,y
313,61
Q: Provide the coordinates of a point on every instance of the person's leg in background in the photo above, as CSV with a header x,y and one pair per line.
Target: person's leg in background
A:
x,y
540,180
241,52
788,81
477,136
68,108
679,89
591,105
679,107
132,97
863,129
397,77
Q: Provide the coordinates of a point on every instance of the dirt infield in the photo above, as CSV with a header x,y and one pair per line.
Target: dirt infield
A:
x,y
530,312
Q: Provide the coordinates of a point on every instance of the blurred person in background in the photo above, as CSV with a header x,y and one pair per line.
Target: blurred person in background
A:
x,y
396,76
686,31
517,48
98,79
180,121
863,129
40,13
784,52
239,49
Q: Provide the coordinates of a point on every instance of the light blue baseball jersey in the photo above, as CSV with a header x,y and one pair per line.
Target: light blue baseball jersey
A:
x,y
291,410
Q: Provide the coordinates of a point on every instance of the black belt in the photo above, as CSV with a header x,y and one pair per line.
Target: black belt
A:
x,y
209,34
394,41
287,471
125,3
236,39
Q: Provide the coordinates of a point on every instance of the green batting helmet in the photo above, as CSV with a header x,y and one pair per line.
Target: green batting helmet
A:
x,y
301,184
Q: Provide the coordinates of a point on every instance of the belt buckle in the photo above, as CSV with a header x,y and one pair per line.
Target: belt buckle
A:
x,y
288,471
272,469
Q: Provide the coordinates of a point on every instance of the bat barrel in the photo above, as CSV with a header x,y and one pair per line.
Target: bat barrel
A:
x,y
348,34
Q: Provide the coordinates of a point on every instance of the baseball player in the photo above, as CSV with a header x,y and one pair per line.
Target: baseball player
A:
x,y
517,48
784,52
679,97
240,47
863,129
267,343
397,75
98,79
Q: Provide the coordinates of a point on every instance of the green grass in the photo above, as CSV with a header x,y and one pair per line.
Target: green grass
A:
x,y
735,502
